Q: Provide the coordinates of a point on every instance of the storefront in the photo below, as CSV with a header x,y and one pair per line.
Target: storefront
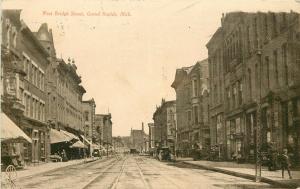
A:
x,y
12,141
235,142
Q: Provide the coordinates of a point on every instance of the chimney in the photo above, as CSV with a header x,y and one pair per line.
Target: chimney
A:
x,y
143,126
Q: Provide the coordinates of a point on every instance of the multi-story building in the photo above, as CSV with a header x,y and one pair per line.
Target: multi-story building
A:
x,y
138,139
165,124
198,80
103,125
25,63
191,86
64,110
99,125
88,108
256,58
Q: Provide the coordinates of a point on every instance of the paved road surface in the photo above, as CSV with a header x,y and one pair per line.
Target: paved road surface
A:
x,y
133,172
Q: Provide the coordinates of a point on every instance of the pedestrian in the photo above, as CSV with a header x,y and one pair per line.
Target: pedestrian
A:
x,y
285,163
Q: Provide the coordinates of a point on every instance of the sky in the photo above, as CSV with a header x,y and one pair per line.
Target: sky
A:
x,y
128,52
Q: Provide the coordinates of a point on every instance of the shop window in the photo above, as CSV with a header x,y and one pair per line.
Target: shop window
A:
x,y
42,147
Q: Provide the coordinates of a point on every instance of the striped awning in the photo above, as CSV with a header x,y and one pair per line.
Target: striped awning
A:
x,y
10,132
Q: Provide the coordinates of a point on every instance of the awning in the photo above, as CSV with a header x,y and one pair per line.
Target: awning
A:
x,y
86,140
78,144
58,136
10,132
71,135
61,136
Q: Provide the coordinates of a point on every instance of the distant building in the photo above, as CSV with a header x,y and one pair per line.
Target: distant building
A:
x,y
103,125
138,139
88,109
165,124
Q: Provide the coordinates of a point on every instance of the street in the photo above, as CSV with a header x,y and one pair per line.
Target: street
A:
x,y
134,172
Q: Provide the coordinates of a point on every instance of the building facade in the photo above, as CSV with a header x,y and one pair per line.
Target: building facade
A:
x,y
88,108
256,55
25,63
139,140
103,124
165,125
191,86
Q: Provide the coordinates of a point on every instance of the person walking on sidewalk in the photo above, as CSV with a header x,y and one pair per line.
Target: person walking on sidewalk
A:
x,y
285,163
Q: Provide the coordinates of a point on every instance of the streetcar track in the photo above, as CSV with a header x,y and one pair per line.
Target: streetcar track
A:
x,y
48,173
115,183
165,177
91,182
146,183
56,175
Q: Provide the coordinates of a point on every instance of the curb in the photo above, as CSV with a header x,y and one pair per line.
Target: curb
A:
x,y
243,175
58,168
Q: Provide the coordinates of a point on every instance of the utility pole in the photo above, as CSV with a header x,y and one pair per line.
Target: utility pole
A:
x,y
258,125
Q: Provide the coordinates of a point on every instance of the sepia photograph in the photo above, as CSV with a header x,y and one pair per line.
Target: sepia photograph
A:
x,y
150,94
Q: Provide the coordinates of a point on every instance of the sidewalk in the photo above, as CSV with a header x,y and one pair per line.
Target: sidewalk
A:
x,y
248,171
45,167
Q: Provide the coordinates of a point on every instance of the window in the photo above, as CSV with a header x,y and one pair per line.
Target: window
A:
x,y
276,66
195,88
228,98
39,111
233,96
274,25
255,33
86,115
36,77
26,104
256,77
284,60
266,27
240,93
267,71
14,36
238,125
189,115
8,35
196,120
249,83
25,65
31,107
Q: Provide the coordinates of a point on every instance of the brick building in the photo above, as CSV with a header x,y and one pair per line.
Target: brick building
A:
x,y
64,91
138,139
25,63
88,108
191,86
256,58
165,124
103,125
